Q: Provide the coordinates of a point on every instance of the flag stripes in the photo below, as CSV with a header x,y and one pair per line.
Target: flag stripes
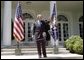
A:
x,y
18,30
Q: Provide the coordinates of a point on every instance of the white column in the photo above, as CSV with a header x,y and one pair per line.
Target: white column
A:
x,y
7,24
26,30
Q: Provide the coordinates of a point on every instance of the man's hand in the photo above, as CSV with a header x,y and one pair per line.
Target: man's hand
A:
x,y
44,34
33,37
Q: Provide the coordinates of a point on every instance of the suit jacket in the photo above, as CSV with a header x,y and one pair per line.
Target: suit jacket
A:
x,y
38,30
47,28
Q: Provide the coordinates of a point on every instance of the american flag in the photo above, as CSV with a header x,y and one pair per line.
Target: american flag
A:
x,y
18,29
54,32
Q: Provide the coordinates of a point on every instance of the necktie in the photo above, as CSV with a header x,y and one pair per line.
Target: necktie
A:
x,y
39,23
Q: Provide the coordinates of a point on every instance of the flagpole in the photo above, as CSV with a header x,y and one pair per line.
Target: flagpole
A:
x,y
56,43
53,10
18,49
57,32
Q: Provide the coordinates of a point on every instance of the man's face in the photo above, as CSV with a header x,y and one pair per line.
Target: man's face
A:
x,y
40,17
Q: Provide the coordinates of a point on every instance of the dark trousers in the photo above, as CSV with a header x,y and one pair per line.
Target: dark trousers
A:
x,y
41,44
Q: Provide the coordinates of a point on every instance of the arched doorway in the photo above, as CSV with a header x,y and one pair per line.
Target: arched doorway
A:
x,y
81,26
62,29
28,22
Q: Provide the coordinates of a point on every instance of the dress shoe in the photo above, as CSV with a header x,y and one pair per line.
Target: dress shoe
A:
x,y
45,56
40,57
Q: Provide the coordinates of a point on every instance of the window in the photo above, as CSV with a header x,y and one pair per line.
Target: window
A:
x,y
62,18
12,37
81,26
27,15
29,32
59,31
62,27
65,30
81,19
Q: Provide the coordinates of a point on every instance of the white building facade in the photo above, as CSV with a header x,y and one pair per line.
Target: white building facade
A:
x,y
69,13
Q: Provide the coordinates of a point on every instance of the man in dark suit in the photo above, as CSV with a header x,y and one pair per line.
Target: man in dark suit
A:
x,y
47,28
39,32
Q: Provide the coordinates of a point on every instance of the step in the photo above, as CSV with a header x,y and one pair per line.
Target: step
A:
x,y
23,52
31,51
63,52
29,46
24,49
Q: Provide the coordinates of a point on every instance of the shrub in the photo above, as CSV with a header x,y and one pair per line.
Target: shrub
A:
x,y
67,43
74,44
78,47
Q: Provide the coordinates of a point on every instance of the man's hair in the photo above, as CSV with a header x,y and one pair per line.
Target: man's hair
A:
x,y
39,15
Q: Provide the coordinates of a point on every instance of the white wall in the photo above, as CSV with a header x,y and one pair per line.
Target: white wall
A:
x,y
76,21
1,24
72,17
45,14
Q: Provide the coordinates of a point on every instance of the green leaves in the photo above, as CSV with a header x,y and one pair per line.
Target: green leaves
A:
x,y
74,44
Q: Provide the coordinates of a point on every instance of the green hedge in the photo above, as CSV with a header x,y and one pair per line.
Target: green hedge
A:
x,y
74,44
78,47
